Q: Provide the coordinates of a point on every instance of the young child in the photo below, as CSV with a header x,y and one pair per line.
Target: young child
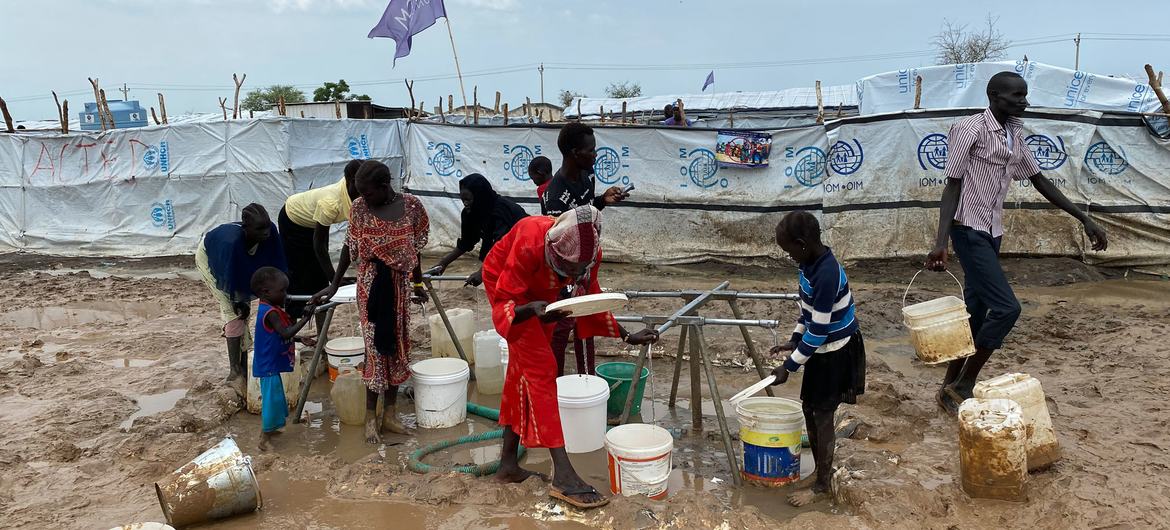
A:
x,y
827,342
275,352
540,170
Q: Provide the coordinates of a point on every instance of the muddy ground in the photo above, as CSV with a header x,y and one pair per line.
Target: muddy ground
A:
x,y
111,370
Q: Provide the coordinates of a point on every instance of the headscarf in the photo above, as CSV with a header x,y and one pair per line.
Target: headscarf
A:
x,y
484,197
575,237
231,263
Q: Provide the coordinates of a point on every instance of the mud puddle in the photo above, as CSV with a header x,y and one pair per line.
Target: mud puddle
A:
x,y
149,404
79,313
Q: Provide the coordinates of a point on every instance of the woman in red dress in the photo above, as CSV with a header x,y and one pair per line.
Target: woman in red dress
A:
x,y
387,230
523,273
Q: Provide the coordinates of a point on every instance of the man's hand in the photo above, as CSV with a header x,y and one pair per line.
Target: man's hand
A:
x,y
614,195
323,295
781,374
783,348
1096,235
642,336
474,279
937,259
242,310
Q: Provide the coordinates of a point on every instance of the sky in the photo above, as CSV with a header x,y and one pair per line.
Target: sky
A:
x,y
189,49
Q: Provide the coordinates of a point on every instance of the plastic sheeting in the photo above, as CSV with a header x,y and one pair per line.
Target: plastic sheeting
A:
x,y
803,97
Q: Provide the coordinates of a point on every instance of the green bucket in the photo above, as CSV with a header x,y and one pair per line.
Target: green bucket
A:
x,y
623,372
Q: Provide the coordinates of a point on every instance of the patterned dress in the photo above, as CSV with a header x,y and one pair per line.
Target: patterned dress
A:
x,y
396,244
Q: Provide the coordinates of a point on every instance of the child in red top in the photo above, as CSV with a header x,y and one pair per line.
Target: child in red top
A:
x,y
275,334
540,170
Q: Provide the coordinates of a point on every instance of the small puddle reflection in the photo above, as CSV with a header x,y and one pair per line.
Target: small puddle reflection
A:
x,y
149,404
81,313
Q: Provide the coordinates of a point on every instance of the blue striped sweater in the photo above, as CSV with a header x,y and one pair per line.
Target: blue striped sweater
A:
x,y
827,317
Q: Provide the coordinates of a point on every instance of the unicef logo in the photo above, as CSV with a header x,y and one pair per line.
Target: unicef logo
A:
x,y
809,169
150,157
702,169
608,165
521,157
933,150
1048,154
846,158
444,159
1104,159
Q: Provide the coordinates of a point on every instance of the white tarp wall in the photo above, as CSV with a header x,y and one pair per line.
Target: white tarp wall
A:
x,y
156,190
965,85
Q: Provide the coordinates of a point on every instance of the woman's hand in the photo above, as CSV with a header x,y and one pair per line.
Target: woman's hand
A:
x,y
419,296
781,373
537,309
475,279
783,348
324,295
643,336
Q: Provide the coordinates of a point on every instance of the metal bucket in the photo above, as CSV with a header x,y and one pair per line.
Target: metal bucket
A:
x,y
218,483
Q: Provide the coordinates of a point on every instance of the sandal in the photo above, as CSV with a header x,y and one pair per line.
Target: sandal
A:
x,y
567,496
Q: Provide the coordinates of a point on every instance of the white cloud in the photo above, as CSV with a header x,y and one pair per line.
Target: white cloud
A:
x,y
495,5
305,5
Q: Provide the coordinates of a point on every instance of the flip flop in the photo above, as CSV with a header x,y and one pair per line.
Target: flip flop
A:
x,y
567,496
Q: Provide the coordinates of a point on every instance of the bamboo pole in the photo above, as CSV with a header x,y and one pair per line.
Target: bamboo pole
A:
x,y
496,109
223,107
154,116
162,108
65,114
421,109
7,116
820,104
97,102
236,102
1156,84
60,115
917,92
105,106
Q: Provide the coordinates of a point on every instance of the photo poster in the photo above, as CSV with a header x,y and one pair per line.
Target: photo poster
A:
x,y
747,149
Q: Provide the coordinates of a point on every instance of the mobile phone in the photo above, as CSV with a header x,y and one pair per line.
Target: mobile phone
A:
x,y
628,188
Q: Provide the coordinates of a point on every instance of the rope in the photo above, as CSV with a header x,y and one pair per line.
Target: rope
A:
x,y
418,466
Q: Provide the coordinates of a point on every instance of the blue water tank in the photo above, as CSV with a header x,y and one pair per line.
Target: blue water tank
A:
x,y
127,114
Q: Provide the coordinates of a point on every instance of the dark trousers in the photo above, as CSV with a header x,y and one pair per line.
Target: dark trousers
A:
x,y
586,356
990,300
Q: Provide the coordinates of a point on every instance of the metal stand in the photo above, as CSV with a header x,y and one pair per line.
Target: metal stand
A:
x,y
307,381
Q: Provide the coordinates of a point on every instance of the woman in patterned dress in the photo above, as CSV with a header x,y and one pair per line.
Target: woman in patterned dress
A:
x,y
387,230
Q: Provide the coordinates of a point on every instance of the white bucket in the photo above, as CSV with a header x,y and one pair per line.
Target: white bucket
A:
x,y
218,483
939,329
639,460
291,381
440,392
582,404
345,354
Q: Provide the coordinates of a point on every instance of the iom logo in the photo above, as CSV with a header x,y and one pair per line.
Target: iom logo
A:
x,y
809,169
521,157
845,158
608,166
443,158
701,168
932,150
1104,159
1049,155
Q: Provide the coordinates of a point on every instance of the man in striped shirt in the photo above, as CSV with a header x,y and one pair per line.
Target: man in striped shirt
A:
x,y
986,154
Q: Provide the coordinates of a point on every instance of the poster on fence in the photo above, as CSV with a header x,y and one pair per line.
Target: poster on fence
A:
x,y
742,148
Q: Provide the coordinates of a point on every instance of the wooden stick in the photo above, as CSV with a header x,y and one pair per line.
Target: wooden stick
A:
x,y
337,109
97,102
918,92
601,114
497,107
236,102
162,107
528,108
251,114
505,114
1156,84
104,105
441,114
280,105
623,111
65,113
421,109
578,109
154,116
820,104
410,90
840,107
450,104
61,116
223,107
475,102
7,116
302,114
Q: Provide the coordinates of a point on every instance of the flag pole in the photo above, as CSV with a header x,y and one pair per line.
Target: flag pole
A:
x,y
466,111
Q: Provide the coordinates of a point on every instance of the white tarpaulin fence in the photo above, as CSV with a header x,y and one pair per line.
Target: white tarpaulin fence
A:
x,y
874,180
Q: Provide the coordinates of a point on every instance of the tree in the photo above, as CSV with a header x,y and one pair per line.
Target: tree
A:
x,y
338,91
264,99
955,44
624,89
567,97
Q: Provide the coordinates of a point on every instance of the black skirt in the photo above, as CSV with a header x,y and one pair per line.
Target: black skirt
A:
x,y
835,377
305,275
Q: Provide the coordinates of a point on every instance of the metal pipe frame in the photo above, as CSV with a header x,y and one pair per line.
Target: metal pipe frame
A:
x,y
697,321
718,295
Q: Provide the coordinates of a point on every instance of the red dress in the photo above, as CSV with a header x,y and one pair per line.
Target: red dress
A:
x,y
397,244
515,273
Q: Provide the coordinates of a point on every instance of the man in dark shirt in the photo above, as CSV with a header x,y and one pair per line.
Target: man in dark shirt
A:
x,y
573,184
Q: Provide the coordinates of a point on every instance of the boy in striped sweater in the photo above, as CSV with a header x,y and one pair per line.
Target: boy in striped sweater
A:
x,y
827,342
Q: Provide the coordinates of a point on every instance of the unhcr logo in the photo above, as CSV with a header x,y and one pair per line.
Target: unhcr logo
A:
x,y
163,214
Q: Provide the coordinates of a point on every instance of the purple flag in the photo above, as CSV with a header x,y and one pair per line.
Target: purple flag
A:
x,y
405,18
710,81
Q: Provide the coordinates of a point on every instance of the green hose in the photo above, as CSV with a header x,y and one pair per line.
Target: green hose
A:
x,y
418,466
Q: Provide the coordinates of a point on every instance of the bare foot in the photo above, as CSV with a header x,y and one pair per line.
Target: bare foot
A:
x,y
264,444
806,496
372,436
390,423
517,475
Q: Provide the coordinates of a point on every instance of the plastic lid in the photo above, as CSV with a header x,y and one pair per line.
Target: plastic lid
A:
x,y
579,389
439,367
346,346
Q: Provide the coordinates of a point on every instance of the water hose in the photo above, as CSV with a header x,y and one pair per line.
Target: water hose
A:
x,y
418,466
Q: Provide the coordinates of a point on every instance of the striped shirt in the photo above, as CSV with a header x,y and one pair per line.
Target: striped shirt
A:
x,y
826,311
987,156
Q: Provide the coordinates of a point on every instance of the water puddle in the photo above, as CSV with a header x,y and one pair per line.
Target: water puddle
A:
x,y
149,404
128,273
54,317
127,362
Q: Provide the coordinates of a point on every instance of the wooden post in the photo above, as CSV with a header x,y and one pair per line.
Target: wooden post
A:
x,y
97,102
162,107
410,90
223,107
840,108
1156,84
475,103
820,104
154,116
505,114
337,109
917,92
731,119
60,115
578,109
251,114
7,116
450,104
623,111
280,105
601,114
421,109
442,116
236,102
65,115
103,105
302,114
528,109
497,107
